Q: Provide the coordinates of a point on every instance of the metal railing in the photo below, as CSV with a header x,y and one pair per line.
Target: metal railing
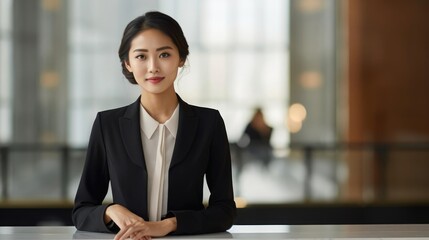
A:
x,y
381,151
64,150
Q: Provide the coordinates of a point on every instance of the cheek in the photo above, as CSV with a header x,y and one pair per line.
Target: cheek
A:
x,y
171,69
137,69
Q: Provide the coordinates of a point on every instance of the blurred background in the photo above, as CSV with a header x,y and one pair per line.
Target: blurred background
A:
x,y
325,102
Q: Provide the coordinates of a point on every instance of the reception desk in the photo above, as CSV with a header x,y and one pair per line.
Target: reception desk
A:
x,y
373,232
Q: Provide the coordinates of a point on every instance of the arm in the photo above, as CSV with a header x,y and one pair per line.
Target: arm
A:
x,y
221,210
88,212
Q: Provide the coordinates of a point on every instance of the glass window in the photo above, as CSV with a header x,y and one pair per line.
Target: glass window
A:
x,y
5,69
238,61
232,66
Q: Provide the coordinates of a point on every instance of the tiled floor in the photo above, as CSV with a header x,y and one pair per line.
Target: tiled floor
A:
x,y
283,181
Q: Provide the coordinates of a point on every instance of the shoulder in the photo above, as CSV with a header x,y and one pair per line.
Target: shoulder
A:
x,y
190,109
128,111
110,116
205,114
204,111
114,112
209,119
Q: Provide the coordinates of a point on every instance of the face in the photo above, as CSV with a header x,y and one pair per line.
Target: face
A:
x,y
154,61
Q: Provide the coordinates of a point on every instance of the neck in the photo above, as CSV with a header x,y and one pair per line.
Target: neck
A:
x,y
160,107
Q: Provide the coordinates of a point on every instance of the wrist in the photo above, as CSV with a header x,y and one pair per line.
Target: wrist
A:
x,y
107,212
171,224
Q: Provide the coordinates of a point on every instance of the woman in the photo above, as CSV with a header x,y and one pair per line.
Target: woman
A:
x,y
156,151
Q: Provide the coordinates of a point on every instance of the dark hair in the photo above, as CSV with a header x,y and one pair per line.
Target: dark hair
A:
x,y
151,20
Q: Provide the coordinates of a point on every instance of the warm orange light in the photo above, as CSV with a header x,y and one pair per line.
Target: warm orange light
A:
x,y
240,202
49,79
294,126
311,79
297,112
310,6
51,5
296,115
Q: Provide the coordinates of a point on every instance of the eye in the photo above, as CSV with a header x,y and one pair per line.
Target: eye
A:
x,y
164,55
141,57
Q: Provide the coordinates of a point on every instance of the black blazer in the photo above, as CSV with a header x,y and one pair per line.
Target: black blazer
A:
x,y
115,154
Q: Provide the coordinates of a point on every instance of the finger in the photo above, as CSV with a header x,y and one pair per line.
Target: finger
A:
x,y
125,233
133,231
144,238
142,232
140,235
121,232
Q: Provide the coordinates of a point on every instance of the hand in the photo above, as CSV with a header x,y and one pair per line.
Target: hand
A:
x,y
121,216
145,230
135,227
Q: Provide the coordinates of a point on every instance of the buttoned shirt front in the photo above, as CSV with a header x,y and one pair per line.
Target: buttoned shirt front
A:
x,y
149,128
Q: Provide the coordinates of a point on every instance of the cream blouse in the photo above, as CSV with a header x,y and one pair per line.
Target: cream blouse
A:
x,y
150,129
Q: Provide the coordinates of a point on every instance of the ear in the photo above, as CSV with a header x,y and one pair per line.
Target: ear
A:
x,y
181,63
127,65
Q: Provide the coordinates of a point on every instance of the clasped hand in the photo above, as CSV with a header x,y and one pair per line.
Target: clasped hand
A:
x,y
135,227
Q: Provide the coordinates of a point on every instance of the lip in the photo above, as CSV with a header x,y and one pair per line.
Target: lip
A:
x,y
155,79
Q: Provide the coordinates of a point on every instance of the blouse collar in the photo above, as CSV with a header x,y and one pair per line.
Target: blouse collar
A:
x,y
148,125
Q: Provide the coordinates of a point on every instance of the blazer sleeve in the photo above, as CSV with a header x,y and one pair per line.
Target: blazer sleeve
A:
x,y
88,211
221,210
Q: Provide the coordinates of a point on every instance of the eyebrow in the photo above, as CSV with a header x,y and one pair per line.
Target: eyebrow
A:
x,y
158,49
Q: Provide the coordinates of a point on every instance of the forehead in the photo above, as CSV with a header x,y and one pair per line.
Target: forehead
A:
x,y
151,39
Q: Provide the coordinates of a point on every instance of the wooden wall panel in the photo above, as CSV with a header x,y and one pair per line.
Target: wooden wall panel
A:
x,y
388,83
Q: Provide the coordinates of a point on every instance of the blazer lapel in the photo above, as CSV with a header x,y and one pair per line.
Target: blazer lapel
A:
x,y
130,132
188,123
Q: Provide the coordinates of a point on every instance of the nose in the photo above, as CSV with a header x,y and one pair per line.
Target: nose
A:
x,y
153,66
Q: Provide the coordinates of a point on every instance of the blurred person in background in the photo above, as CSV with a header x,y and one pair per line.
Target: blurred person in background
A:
x,y
156,151
255,140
